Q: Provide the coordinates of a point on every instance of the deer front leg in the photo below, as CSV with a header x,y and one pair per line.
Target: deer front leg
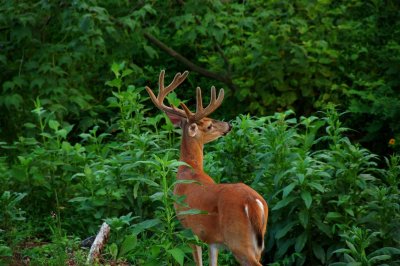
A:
x,y
197,255
213,254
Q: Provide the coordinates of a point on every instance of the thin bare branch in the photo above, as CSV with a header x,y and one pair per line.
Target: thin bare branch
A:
x,y
225,79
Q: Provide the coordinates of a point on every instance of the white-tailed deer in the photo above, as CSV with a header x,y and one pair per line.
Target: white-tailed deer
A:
x,y
236,215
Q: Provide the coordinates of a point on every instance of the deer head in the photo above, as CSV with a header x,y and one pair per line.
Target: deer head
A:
x,y
194,125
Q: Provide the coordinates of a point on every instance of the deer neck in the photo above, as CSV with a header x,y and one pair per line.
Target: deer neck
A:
x,y
192,152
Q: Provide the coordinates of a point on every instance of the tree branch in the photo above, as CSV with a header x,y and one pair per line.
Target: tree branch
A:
x,y
98,243
225,79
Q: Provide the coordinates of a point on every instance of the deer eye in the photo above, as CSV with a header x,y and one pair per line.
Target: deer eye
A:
x,y
210,127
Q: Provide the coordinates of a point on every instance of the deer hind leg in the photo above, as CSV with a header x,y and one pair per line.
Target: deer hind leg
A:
x,y
213,255
197,255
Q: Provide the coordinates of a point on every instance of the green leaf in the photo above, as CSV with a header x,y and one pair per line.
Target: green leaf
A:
x,y
319,252
304,218
12,100
301,178
284,202
140,227
192,212
333,216
62,133
349,211
351,261
157,196
79,199
301,240
127,72
128,245
175,164
323,228
29,125
46,135
185,181
115,68
283,231
317,186
177,254
379,258
385,251
351,246
116,83
142,180
307,198
135,190
150,51
53,124
283,245
5,251
341,250
288,189
113,249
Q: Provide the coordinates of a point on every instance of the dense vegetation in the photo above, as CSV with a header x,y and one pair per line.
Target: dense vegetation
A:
x,y
80,143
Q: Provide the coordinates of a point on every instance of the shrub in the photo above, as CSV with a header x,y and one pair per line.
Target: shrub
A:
x,y
323,192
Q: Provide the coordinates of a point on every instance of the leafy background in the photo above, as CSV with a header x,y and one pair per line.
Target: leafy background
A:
x,y
81,142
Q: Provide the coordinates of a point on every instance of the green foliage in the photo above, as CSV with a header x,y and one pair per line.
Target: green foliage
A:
x,y
329,200
357,240
10,217
323,191
79,144
58,52
10,213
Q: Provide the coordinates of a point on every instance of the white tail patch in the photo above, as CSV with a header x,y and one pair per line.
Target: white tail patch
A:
x,y
246,209
261,207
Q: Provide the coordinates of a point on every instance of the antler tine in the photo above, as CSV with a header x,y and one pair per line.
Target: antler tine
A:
x,y
178,79
162,93
215,102
161,82
188,113
199,100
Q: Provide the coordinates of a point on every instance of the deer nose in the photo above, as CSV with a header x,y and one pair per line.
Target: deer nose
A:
x,y
229,129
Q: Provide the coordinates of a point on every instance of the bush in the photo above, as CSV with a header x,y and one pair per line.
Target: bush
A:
x,y
329,201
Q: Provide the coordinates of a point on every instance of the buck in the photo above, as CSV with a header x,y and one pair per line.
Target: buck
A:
x,y
235,215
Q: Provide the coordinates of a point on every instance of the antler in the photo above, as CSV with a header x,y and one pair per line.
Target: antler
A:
x,y
158,101
200,111
185,113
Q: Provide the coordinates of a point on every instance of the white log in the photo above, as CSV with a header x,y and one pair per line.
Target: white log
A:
x,y
99,242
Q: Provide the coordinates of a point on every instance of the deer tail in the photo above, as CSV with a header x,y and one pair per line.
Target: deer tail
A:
x,y
258,216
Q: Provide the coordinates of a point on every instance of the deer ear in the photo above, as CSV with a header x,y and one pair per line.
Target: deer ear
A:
x,y
192,130
176,120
